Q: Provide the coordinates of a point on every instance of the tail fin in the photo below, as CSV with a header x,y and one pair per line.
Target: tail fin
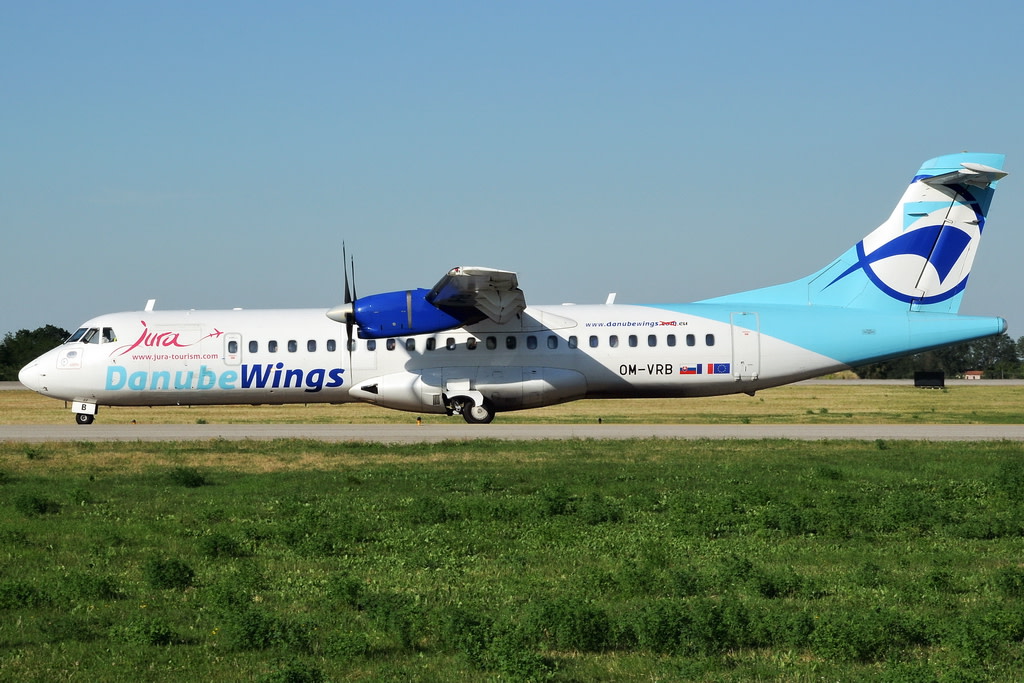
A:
x,y
919,259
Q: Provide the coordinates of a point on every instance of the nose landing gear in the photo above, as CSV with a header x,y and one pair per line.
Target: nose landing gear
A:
x,y
85,412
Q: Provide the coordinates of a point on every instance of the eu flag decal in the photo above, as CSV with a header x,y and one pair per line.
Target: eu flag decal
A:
x,y
719,368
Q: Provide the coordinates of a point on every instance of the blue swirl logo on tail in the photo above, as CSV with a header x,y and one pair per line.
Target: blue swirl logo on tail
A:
x,y
899,265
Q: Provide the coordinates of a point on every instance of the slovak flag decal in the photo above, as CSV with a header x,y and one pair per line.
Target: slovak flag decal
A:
x,y
706,369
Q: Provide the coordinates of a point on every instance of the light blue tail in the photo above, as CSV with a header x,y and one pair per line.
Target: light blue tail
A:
x,y
919,259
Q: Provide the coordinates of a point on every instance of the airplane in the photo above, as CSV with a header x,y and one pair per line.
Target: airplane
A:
x,y
471,346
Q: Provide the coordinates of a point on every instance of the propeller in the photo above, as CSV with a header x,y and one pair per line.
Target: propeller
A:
x,y
350,316
345,312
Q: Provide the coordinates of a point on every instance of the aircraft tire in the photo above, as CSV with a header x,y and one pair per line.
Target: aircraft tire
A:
x,y
84,418
478,414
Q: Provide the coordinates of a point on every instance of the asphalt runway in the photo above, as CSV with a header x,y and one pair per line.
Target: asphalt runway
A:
x,y
458,431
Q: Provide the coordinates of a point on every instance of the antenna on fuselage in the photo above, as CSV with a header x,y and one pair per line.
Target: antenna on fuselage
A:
x,y
150,304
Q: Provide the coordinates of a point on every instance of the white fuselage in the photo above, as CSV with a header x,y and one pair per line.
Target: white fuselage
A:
x,y
547,355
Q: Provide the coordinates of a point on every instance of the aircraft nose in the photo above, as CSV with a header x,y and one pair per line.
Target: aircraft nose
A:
x,y
31,376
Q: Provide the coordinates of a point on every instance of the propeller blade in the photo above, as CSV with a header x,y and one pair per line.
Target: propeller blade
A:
x,y
354,295
344,265
350,316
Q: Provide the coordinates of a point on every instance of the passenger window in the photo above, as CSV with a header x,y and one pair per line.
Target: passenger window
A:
x,y
573,342
531,342
492,343
431,344
633,341
351,344
593,341
691,340
510,342
391,344
552,341
652,340
233,346
613,341
371,344
449,343
709,339
272,346
311,345
410,344
108,335
293,346
670,340
332,345
471,343
254,346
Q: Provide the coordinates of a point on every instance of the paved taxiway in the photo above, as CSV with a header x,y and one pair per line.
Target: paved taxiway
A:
x,y
461,432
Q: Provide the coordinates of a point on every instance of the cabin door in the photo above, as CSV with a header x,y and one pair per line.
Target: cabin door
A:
x,y
746,346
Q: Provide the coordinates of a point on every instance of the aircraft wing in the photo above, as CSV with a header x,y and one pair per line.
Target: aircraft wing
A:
x,y
471,293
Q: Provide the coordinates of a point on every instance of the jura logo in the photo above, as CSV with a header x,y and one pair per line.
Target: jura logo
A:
x,y
165,339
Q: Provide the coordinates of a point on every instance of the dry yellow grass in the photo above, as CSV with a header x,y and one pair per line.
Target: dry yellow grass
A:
x,y
101,459
840,402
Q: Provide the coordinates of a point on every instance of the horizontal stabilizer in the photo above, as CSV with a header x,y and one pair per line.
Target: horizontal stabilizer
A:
x,y
975,175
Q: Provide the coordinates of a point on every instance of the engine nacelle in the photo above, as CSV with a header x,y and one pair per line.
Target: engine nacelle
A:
x,y
393,314
403,391
434,390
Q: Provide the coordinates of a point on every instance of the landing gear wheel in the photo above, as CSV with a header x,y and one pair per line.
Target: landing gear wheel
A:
x,y
478,414
84,418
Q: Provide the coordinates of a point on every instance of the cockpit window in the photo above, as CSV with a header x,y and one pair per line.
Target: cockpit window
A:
x,y
93,335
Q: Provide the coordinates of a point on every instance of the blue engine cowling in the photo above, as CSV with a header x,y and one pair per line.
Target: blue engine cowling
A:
x,y
393,314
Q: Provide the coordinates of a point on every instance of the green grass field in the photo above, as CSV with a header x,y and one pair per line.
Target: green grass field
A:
x,y
565,561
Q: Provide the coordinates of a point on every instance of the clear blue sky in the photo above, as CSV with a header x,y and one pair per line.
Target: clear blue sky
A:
x,y
216,154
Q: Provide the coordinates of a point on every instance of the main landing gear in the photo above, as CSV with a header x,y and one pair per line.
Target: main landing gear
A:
x,y
84,418
472,412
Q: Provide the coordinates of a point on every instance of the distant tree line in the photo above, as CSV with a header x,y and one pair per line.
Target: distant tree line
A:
x,y
998,357
18,348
